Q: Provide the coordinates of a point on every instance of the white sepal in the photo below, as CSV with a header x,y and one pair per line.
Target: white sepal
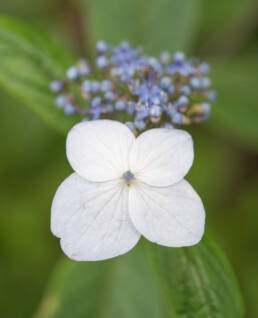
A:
x,y
92,219
162,157
171,216
99,150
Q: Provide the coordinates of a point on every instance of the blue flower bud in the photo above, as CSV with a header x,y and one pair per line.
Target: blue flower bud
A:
x,y
167,125
206,108
154,100
106,85
171,89
95,113
205,67
109,108
165,57
130,125
205,82
95,102
114,71
212,96
69,109
182,101
61,101
86,86
155,111
101,47
185,90
125,77
165,82
56,86
140,125
125,45
72,73
195,83
83,67
177,119
95,86
131,108
110,96
141,112
102,62
143,86
120,105
171,109
128,176
163,98
154,63
179,57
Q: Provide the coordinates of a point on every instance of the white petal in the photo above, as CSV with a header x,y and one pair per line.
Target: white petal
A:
x,y
99,150
92,219
170,216
162,157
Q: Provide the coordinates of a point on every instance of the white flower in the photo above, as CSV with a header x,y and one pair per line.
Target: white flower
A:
x,y
124,187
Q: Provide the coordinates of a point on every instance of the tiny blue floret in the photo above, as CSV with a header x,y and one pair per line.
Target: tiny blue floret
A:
x,y
128,176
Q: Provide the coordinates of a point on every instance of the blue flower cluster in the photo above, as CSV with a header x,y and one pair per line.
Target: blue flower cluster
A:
x,y
151,92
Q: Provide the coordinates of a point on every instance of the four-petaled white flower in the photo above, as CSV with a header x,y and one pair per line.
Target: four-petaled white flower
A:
x,y
124,187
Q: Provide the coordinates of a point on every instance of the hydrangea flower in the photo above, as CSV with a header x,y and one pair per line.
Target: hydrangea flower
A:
x,y
127,85
124,187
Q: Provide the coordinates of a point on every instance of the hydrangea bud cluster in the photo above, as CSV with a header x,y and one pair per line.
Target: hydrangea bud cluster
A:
x,y
125,84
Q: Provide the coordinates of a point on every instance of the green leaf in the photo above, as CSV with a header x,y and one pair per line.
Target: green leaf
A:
x,y
158,25
216,15
150,281
200,284
236,110
29,60
122,287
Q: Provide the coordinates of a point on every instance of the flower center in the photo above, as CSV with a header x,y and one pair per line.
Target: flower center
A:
x,y
128,176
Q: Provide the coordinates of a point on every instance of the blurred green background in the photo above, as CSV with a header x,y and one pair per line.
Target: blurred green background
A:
x,y
225,172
